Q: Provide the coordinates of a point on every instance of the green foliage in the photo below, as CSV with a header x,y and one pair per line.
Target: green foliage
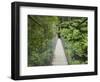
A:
x,y
42,36
41,32
74,33
40,60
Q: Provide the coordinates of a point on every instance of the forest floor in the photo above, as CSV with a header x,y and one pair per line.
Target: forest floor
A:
x,y
59,54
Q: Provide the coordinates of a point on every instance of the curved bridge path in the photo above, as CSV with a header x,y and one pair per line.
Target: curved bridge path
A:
x,y
59,54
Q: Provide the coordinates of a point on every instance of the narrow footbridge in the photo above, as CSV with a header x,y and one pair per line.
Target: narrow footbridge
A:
x,y
59,54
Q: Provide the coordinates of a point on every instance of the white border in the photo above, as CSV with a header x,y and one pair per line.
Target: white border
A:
x,y
24,70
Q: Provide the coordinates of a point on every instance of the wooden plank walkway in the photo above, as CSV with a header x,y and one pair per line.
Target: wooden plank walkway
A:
x,y
59,54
